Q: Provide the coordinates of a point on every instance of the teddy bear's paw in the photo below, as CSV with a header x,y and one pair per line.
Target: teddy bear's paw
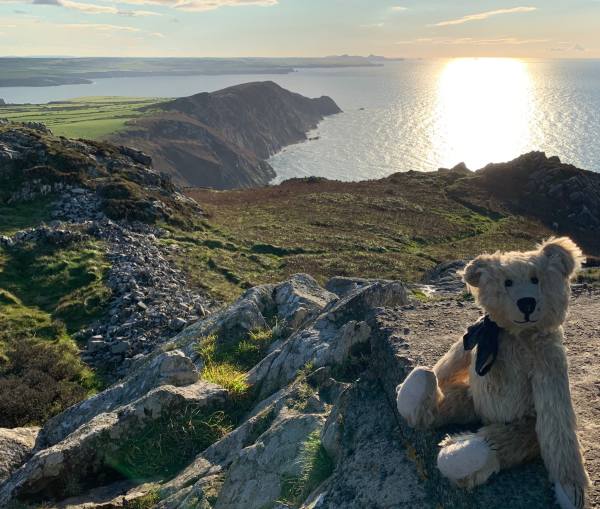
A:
x,y
569,496
467,460
416,397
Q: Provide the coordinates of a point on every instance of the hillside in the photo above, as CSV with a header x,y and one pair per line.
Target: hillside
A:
x,y
221,139
122,339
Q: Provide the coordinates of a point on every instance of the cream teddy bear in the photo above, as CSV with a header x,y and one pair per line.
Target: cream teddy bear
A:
x,y
510,372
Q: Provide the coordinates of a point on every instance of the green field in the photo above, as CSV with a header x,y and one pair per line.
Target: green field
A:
x,y
93,118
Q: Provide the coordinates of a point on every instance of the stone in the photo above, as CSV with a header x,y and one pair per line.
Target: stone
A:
x,y
120,347
84,454
177,324
169,368
16,446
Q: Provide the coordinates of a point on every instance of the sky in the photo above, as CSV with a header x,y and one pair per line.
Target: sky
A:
x,y
228,28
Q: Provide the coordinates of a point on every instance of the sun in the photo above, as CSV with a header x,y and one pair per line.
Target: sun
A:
x,y
483,113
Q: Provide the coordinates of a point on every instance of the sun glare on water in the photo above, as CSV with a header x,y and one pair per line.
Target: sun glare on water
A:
x,y
483,112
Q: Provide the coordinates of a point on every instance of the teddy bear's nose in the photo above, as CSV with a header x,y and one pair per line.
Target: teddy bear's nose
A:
x,y
526,305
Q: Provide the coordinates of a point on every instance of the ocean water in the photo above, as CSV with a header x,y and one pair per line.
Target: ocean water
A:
x,y
412,115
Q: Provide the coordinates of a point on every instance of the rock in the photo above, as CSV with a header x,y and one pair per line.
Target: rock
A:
x,y
16,446
343,286
299,299
177,324
137,156
268,460
329,340
120,347
86,453
170,368
373,469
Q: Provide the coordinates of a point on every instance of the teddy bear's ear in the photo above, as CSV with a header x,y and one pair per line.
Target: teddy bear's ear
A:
x,y
472,272
563,254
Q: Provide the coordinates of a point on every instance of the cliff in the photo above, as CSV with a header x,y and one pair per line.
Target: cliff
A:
x,y
222,139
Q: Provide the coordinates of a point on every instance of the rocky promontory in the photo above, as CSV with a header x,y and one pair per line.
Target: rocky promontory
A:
x,y
222,139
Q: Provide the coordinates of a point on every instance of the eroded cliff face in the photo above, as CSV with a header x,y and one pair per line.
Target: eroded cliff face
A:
x,y
222,139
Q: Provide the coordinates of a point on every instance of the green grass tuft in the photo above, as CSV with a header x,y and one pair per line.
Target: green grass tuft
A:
x,y
226,364
168,444
316,466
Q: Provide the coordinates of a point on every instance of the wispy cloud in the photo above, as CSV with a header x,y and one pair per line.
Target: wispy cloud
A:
x,y
101,27
399,8
93,8
203,5
498,41
483,15
373,25
565,46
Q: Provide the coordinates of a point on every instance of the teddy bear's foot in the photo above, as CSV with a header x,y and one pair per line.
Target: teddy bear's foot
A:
x,y
569,496
417,397
467,460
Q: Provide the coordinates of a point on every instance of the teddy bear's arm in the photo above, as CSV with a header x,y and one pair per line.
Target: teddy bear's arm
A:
x,y
555,418
453,367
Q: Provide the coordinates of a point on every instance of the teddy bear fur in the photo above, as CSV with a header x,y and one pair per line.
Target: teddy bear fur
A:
x,y
524,401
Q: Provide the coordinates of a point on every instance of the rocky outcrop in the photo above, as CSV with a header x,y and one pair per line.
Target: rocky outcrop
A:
x,y
565,198
317,428
222,139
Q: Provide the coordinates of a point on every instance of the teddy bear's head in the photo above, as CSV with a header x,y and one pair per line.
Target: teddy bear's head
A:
x,y
524,290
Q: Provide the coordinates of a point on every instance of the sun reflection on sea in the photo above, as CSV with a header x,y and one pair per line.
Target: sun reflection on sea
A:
x,y
483,111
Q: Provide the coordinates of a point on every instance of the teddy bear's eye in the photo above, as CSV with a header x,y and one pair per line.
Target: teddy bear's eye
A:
x,y
508,283
535,280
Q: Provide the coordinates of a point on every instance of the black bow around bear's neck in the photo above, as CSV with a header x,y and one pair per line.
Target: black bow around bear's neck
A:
x,y
484,334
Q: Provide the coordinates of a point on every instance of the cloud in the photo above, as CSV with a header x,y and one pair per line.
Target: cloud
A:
x,y
203,5
158,34
483,15
399,8
511,41
565,46
93,8
101,27
372,25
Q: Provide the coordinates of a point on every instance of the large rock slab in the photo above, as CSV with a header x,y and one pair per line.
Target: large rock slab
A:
x,y
373,469
85,455
169,368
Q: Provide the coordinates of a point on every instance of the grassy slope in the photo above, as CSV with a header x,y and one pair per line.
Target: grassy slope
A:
x,y
86,117
397,228
46,293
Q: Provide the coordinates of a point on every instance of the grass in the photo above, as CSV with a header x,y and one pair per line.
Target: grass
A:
x,y
86,117
46,293
315,466
395,228
19,216
168,444
226,364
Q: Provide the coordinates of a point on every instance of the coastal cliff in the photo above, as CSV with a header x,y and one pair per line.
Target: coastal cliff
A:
x,y
222,139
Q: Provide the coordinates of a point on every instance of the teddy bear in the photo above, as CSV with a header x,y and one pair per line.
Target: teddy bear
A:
x,y
508,372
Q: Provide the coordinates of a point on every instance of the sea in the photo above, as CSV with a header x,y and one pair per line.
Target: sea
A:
x,y
411,114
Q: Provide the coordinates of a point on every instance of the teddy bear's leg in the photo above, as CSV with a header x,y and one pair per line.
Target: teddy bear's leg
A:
x,y
424,404
468,460
438,396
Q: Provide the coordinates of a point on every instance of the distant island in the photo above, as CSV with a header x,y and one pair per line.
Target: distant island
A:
x,y
46,72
